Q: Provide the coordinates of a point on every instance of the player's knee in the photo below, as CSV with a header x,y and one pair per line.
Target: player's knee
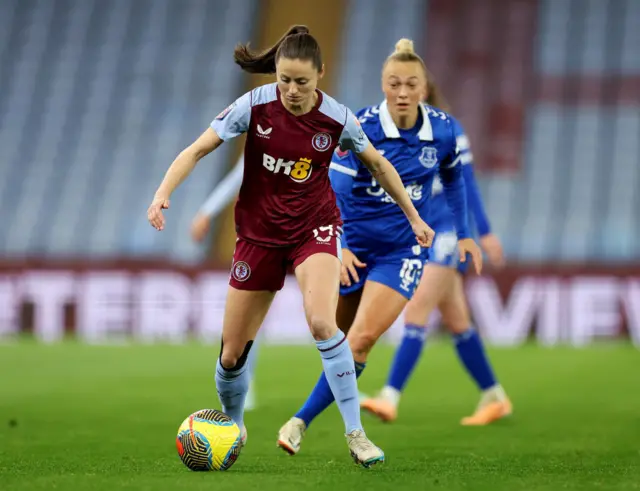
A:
x,y
229,359
456,323
321,327
361,343
234,358
417,313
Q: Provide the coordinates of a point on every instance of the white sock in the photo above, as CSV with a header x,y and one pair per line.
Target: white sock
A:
x,y
390,394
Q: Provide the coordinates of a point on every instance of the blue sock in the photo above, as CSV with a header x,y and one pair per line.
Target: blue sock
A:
x,y
407,356
338,364
232,386
472,354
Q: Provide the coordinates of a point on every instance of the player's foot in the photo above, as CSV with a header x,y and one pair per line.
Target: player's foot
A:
x,y
291,434
363,451
384,405
243,436
494,405
381,408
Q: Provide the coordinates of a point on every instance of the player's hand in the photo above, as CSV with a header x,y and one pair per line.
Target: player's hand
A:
x,y
200,227
492,247
424,233
468,246
154,213
349,264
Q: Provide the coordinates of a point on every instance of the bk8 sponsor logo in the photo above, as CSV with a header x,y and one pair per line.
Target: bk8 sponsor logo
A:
x,y
298,171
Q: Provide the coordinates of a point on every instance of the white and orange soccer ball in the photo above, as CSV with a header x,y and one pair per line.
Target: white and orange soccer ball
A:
x,y
209,440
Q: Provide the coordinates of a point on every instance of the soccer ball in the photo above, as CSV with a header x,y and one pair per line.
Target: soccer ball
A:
x,y
208,440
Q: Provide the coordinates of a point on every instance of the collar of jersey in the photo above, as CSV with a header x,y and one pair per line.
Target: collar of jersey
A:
x,y
391,130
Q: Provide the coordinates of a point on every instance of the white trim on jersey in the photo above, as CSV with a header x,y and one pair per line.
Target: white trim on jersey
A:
x,y
343,168
455,162
391,130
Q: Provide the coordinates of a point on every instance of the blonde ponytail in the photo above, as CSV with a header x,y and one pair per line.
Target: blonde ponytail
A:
x,y
404,46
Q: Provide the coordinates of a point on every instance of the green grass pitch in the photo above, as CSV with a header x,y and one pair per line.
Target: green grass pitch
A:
x,y
76,417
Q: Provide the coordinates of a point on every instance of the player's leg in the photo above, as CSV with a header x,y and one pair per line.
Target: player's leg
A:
x,y
434,282
292,432
244,313
317,269
321,396
380,306
374,309
348,307
256,275
494,403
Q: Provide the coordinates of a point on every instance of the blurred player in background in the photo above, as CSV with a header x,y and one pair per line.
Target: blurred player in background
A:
x,y
287,217
442,287
381,267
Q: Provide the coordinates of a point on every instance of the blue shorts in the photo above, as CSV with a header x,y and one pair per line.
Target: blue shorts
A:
x,y
400,270
444,250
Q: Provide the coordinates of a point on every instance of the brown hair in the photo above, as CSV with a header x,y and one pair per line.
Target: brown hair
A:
x,y
405,53
296,43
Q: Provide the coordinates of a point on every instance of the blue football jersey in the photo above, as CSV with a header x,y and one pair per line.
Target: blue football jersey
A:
x,y
372,221
440,215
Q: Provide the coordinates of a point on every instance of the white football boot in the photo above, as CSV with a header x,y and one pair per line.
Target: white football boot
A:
x,y
291,434
363,451
243,437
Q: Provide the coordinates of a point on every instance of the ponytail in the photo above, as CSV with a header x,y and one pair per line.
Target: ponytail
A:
x,y
296,43
434,95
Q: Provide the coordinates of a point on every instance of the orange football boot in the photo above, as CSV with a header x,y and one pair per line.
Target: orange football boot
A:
x,y
493,406
383,409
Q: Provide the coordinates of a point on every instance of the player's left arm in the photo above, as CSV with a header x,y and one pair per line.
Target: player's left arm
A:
x,y
353,138
451,176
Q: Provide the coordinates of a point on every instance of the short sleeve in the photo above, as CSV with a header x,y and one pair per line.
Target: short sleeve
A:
x,y
353,137
345,162
454,154
462,142
234,120
342,170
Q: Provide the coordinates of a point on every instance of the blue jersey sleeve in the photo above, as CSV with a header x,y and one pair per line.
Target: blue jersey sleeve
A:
x,y
450,171
234,120
342,171
474,198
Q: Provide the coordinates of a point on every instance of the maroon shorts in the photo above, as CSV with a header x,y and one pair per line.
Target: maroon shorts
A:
x,y
257,267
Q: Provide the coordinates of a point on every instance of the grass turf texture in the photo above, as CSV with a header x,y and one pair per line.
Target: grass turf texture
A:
x,y
104,418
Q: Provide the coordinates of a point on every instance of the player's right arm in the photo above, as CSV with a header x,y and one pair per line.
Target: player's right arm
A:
x,y
231,122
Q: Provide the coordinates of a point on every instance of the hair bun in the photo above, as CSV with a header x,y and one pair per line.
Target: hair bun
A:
x,y
404,46
298,29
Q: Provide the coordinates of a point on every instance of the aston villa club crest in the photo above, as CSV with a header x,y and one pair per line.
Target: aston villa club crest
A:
x,y
321,141
241,271
429,157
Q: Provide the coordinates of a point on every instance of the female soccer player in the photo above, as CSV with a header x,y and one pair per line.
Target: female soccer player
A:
x,y
441,287
286,216
421,143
